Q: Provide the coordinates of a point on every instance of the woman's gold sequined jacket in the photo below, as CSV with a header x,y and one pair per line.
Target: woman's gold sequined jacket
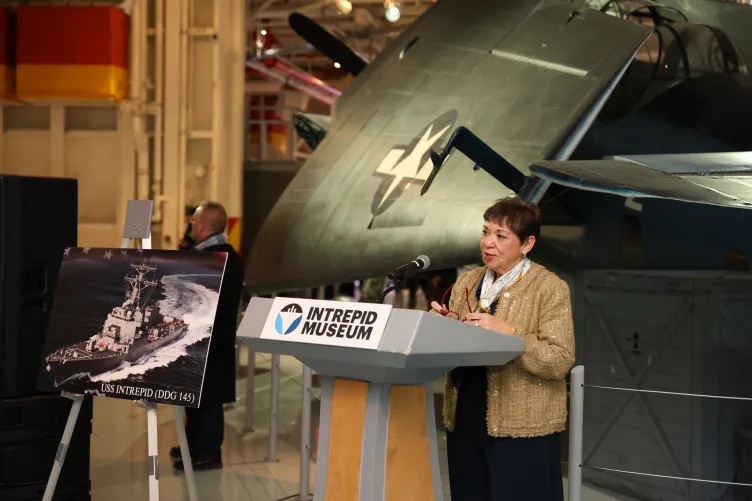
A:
x,y
528,396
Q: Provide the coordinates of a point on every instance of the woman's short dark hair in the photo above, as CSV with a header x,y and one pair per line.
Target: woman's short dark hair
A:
x,y
523,218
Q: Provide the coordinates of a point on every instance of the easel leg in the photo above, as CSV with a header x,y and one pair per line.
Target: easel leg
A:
x,y
185,453
62,449
151,419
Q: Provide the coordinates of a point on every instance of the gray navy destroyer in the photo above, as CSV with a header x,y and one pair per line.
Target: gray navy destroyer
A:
x,y
130,332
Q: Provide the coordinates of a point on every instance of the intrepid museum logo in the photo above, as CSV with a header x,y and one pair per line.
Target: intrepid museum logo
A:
x,y
330,322
333,323
405,165
339,322
288,319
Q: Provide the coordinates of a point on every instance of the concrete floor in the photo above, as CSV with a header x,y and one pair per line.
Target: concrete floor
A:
x,y
119,448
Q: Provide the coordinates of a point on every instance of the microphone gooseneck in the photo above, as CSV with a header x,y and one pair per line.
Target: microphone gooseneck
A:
x,y
421,262
400,274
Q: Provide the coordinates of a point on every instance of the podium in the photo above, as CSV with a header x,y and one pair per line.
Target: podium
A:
x,y
377,429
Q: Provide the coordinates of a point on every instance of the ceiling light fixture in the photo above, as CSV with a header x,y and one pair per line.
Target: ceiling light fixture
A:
x,y
337,65
344,6
391,11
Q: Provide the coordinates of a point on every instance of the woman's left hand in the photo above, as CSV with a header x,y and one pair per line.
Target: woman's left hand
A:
x,y
490,322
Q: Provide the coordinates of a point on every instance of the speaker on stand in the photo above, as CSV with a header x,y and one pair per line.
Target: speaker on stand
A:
x,y
38,220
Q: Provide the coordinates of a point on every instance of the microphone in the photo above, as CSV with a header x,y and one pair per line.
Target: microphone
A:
x,y
421,263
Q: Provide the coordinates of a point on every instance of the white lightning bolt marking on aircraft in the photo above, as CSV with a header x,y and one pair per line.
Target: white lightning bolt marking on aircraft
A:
x,y
409,167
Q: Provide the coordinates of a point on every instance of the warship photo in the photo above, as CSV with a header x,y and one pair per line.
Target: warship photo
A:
x,y
130,331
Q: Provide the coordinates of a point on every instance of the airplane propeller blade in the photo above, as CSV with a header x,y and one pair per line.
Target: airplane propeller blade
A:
x,y
484,157
326,43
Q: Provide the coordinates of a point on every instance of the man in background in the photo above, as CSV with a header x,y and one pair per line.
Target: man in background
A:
x,y
187,242
205,425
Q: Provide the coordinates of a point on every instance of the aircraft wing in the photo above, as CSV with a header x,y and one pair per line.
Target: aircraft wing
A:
x,y
708,178
521,74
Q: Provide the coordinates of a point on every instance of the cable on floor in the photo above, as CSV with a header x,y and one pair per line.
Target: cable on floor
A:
x,y
294,496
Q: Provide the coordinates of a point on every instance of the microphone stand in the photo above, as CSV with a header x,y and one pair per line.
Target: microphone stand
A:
x,y
399,279
399,284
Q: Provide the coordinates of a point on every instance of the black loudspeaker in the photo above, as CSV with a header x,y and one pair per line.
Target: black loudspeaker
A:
x,y
30,432
65,491
38,220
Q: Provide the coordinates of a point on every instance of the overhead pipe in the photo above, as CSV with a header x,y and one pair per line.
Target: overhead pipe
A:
x,y
274,67
298,73
308,84
266,45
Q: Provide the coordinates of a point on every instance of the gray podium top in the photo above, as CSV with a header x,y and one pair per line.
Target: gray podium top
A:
x,y
416,347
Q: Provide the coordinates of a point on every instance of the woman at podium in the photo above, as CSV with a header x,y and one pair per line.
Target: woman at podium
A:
x,y
503,422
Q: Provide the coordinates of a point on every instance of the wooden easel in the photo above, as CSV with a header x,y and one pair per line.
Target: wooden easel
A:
x,y
138,229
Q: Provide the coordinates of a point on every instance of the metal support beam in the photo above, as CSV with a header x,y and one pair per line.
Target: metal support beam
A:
x,y
171,191
305,437
271,456
250,392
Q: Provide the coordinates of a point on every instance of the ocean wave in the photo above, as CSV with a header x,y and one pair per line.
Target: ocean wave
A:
x,y
185,299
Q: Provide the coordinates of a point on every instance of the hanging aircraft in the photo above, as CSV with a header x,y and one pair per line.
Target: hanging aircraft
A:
x,y
626,121
600,106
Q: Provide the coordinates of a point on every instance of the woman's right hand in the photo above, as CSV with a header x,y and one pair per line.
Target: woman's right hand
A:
x,y
438,309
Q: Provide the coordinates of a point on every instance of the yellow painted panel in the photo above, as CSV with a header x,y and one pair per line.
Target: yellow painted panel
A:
x,y
7,81
235,233
71,82
408,453
346,440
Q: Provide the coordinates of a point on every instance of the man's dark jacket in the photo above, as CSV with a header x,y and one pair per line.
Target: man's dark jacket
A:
x,y
219,378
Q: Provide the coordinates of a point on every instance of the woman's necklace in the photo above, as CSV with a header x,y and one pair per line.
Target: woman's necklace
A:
x,y
490,289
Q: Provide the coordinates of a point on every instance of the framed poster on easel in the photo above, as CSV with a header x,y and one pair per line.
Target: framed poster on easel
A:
x,y
136,324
